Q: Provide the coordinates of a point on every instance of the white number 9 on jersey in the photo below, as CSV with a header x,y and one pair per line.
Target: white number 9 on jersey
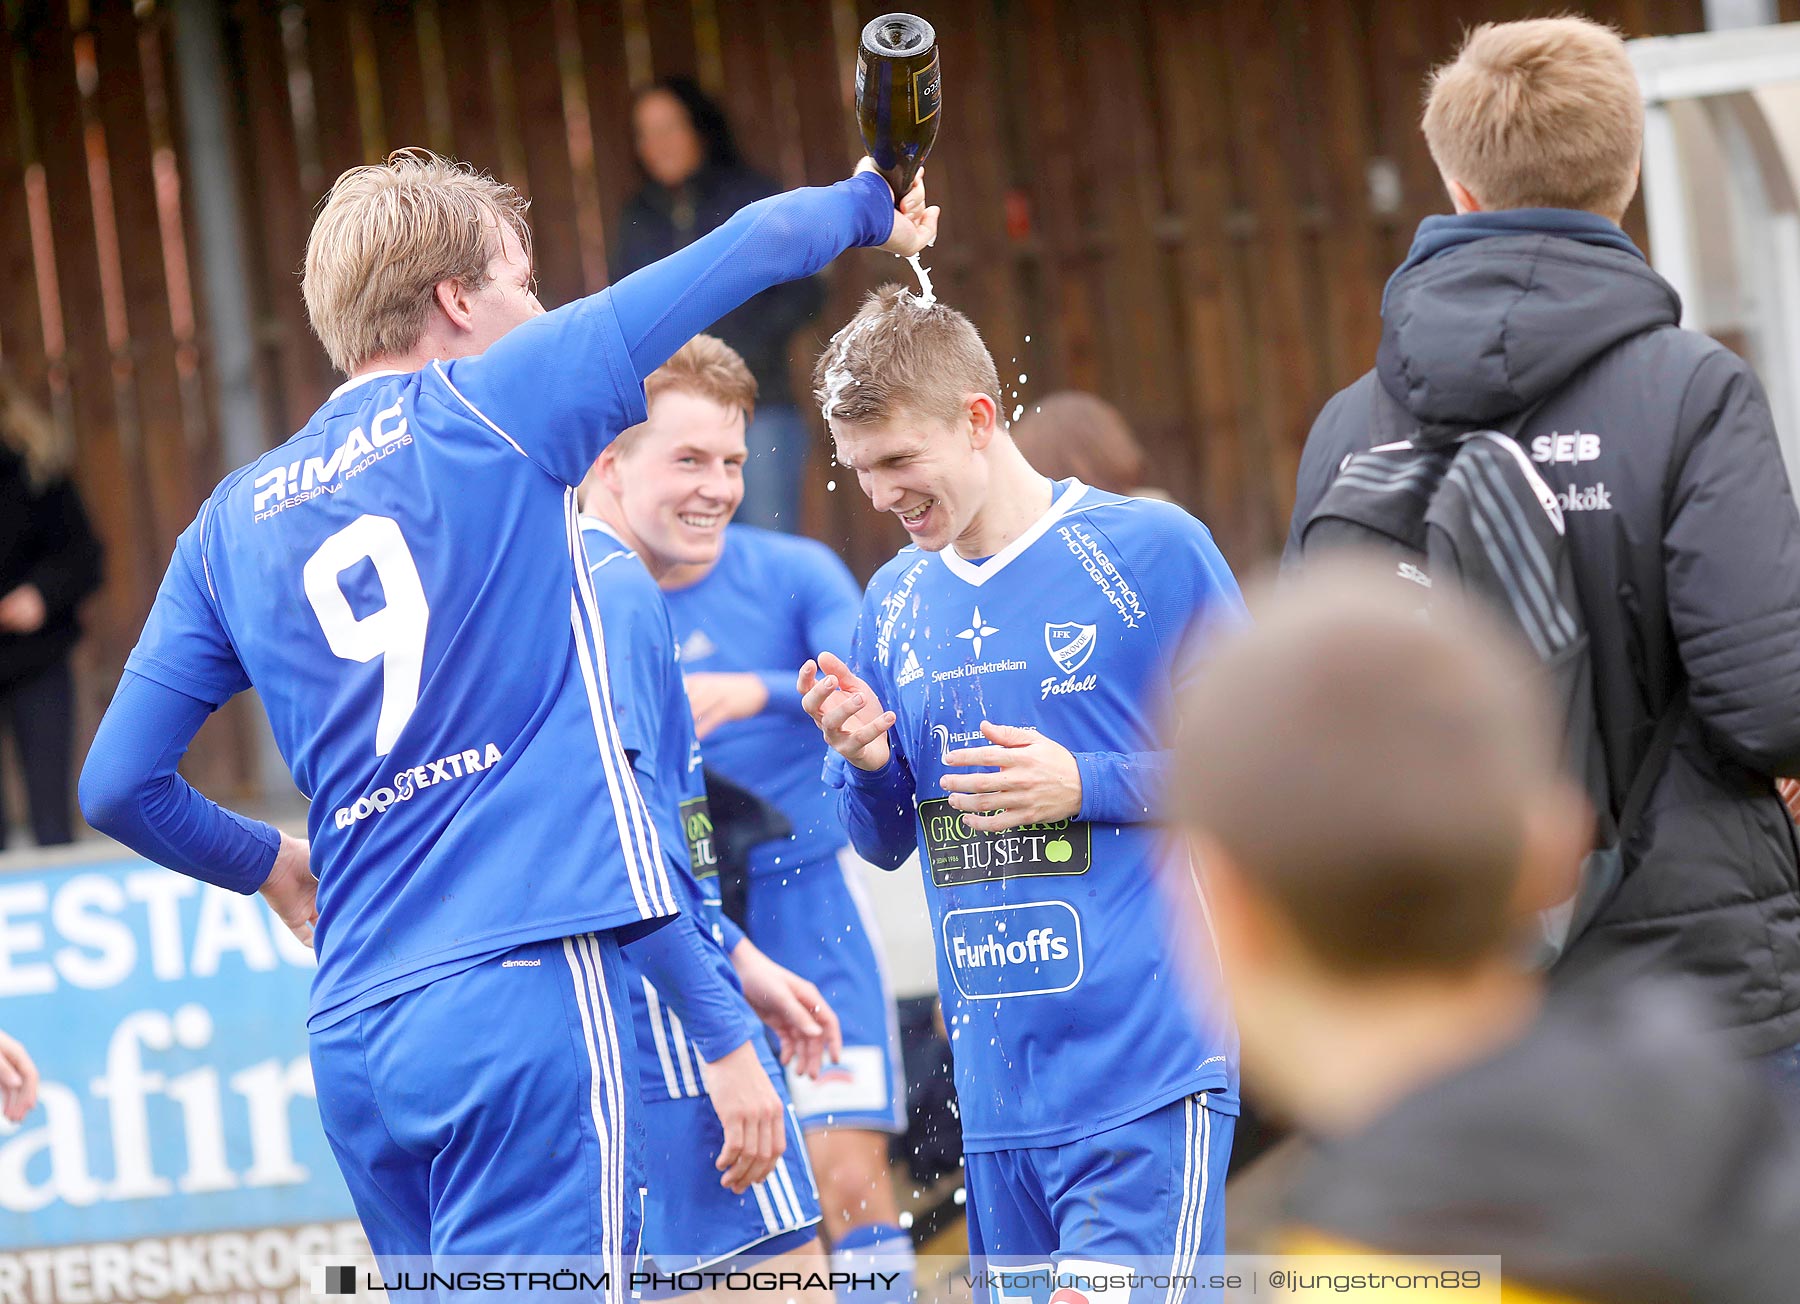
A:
x,y
395,632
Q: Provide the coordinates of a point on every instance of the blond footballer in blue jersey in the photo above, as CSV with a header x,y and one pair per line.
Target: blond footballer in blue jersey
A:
x,y
1002,710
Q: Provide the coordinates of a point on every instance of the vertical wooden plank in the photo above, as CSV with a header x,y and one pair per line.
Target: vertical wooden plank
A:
x,y
328,58
295,369
473,132
119,101
1054,145
1337,98
609,92
578,127
545,137
1125,208
672,49
21,327
399,72
1192,74
1270,261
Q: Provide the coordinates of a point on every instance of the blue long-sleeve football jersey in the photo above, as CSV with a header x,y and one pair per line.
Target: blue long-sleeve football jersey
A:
x,y
771,601
1067,1008
403,583
687,1001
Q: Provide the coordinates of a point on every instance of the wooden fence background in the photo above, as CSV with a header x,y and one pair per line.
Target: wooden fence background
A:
x,y
1187,206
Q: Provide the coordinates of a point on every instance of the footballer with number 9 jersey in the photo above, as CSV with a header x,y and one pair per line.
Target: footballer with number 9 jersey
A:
x,y
403,583
1002,709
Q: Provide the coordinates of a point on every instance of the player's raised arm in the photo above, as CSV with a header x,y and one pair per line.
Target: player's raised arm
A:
x,y
563,384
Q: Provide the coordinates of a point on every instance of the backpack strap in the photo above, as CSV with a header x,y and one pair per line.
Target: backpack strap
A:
x,y
1650,769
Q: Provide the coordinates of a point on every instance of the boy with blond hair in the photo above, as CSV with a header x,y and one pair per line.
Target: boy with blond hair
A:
x,y
1531,313
1001,711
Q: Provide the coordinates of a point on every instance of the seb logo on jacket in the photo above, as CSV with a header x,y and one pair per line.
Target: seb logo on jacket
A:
x,y
1577,447
1570,450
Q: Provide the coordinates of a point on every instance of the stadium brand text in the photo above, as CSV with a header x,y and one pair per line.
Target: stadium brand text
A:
x,y
282,487
407,783
891,607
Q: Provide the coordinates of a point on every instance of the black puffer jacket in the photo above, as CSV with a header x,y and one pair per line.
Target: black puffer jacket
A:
x,y
1686,546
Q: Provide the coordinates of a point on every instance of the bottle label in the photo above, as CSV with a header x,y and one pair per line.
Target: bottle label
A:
x,y
926,86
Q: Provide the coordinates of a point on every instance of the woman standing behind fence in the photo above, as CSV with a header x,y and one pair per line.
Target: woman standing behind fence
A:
x,y
49,562
695,181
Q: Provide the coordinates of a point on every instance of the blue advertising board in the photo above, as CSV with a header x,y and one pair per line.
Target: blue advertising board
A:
x,y
175,1119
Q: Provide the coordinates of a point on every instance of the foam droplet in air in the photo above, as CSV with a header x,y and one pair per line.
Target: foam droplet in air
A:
x,y
1018,412
1022,378
926,297
831,486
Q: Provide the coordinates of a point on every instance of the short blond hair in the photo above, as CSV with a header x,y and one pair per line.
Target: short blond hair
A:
x,y
706,367
1539,114
900,354
386,235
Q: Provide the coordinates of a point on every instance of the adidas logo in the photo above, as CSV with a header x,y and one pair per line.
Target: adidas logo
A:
x,y
697,647
910,669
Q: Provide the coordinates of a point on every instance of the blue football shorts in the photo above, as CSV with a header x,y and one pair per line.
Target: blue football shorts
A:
x,y
814,919
494,1111
1148,1195
692,1222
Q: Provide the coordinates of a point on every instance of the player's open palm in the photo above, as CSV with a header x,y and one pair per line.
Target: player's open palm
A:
x,y
846,710
291,890
751,1114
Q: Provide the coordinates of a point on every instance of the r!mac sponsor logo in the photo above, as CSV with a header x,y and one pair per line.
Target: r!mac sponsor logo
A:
x,y
1024,950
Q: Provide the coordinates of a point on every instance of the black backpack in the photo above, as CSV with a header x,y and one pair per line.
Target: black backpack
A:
x,y
1468,511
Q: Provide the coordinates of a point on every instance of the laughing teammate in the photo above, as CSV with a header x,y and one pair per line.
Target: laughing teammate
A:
x,y
1001,710
707,1076
743,598
403,583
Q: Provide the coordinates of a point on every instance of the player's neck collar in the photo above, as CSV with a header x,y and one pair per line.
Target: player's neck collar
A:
x,y
980,572
358,379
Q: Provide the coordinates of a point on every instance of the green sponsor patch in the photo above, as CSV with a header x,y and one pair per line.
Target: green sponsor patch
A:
x,y
956,853
696,822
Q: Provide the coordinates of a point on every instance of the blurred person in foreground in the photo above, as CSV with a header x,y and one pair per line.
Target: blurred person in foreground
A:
x,y
1370,843
694,180
49,562
1531,313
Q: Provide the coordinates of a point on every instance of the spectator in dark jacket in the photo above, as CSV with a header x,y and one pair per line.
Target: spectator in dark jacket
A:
x,y
694,181
1532,303
49,562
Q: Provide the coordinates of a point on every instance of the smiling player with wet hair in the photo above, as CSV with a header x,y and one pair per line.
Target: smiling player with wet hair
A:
x,y
1000,710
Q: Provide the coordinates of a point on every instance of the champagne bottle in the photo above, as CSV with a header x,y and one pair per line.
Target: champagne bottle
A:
x,y
897,94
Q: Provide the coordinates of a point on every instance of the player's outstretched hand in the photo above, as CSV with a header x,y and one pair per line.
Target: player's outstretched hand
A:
x,y
846,711
291,888
18,1080
805,1026
750,1112
915,222
1036,780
